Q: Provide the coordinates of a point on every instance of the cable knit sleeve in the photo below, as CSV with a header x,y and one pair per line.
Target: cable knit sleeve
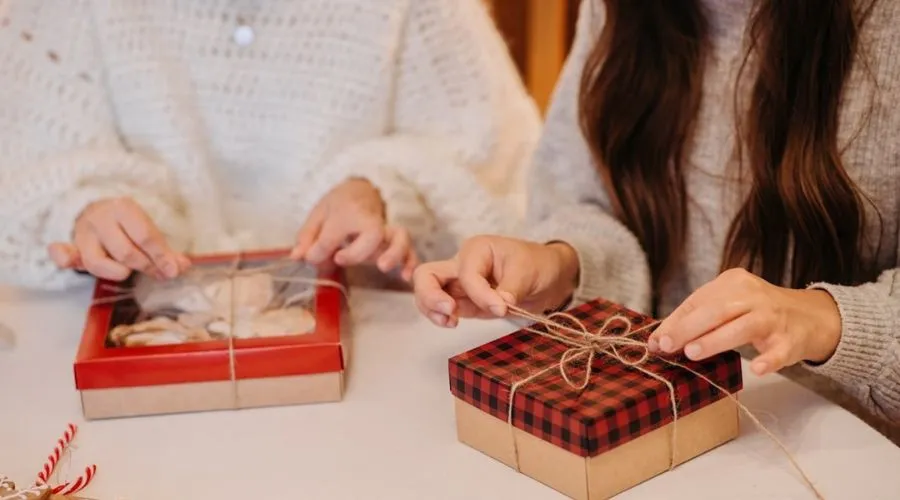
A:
x,y
867,360
462,129
59,150
567,200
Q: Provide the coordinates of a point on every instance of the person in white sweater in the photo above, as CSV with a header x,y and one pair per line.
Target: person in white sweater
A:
x,y
132,132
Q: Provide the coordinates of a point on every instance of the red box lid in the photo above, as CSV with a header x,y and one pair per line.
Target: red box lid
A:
x,y
99,366
619,404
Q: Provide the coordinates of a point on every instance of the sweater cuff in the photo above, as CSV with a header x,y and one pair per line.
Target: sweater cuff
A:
x,y
615,271
866,334
61,220
401,205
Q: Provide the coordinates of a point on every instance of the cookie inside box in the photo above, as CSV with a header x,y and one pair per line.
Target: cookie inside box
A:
x,y
214,301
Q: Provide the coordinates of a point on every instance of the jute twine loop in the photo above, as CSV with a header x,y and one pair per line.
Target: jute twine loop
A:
x,y
586,345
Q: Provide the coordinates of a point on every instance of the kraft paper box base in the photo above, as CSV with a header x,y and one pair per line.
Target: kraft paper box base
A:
x,y
211,396
606,425
602,476
265,364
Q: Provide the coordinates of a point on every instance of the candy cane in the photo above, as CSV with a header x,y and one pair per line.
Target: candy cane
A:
x,y
80,483
62,444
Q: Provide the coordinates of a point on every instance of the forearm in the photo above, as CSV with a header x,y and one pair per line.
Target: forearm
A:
x,y
866,362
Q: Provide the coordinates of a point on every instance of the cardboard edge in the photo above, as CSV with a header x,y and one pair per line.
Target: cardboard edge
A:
x,y
98,404
581,477
90,361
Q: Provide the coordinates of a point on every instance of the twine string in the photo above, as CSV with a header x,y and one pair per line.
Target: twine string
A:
x,y
586,344
232,365
197,277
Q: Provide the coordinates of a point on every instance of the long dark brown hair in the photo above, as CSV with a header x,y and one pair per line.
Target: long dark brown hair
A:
x,y
640,92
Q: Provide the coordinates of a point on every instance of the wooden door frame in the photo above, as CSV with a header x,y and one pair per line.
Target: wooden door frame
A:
x,y
539,34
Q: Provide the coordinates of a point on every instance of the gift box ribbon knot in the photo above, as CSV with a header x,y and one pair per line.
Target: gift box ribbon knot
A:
x,y
583,348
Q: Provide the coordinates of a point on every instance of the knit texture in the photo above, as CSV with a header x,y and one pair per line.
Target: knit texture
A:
x,y
568,201
229,145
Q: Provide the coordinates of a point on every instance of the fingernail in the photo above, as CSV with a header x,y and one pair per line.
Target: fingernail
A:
x,y
759,367
666,344
438,319
498,310
445,307
507,297
653,345
692,351
452,322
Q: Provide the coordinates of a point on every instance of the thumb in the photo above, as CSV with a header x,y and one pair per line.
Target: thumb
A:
x,y
514,285
64,255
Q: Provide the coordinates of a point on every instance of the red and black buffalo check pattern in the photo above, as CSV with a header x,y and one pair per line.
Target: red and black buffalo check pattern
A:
x,y
619,404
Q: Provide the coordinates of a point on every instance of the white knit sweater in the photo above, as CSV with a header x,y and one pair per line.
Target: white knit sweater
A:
x,y
228,136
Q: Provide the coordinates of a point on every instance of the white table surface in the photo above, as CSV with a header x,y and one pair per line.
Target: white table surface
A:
x,y
393,436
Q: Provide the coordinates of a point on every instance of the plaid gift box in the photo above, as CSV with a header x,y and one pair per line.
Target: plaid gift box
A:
x,y
601,440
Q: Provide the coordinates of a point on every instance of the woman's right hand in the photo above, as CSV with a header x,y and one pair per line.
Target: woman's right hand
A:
x,y
114,237
491,272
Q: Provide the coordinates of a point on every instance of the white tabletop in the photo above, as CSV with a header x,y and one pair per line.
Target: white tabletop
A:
x,y
393,436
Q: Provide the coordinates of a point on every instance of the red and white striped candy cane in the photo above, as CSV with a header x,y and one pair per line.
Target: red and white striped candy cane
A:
x,y
62,444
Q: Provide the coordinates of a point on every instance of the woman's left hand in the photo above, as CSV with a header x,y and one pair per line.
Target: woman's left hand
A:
x,y
738,308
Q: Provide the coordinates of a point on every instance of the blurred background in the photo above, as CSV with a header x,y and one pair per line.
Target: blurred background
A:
x,y
539,34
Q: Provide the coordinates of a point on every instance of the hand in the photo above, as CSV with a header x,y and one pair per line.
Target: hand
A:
x,y
114,237
531,276
737,308
348,226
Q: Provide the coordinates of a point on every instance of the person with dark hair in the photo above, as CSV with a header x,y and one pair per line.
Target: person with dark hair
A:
x,y
729,166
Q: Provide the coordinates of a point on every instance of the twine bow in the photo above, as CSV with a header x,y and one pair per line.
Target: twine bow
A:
x,y
586,345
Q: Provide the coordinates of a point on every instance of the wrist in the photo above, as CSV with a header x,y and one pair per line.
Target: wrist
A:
x,y
825,334
568,270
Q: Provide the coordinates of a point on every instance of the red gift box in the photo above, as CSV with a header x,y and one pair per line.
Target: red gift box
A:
x,y
607,437
117,381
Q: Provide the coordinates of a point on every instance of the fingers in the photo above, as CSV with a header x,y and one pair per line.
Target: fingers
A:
x,y
431,298
184,263
412,262
730,335
308,234
699,318
124,251
475,267
365,245
514,284
710,293
773,359
96,260
64,255
329,239
397,252
142,245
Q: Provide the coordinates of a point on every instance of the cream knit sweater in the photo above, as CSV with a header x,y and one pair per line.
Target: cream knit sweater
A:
x,y
568,201
227,120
